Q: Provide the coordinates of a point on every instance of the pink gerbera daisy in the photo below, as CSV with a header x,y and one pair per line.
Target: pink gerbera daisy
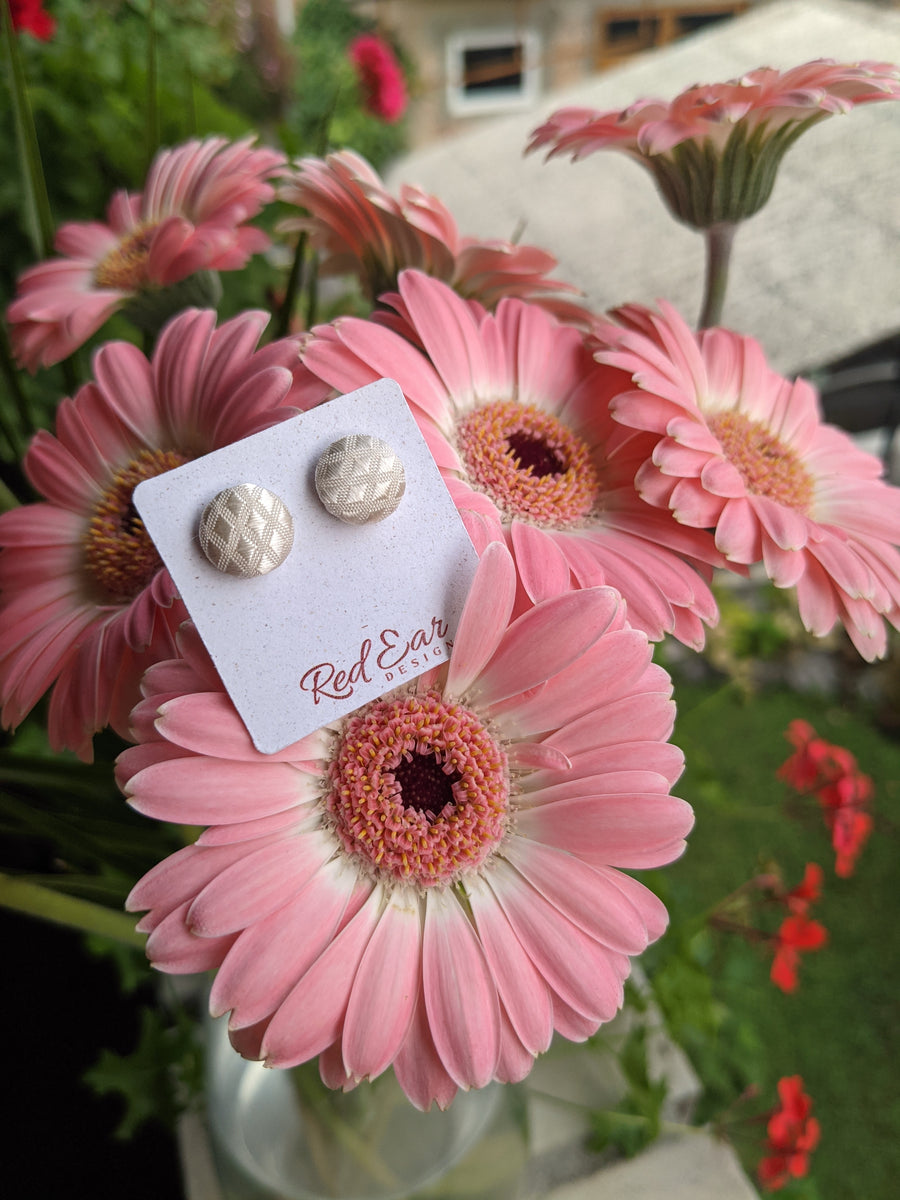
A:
x,y
515,412
739,450
85,601
360,228
190,217
380,76
714,150
432,882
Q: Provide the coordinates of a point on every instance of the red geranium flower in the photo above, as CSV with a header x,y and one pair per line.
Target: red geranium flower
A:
x,y
793,1135
797,934
28,15
799,898
831,774
815,763
380,77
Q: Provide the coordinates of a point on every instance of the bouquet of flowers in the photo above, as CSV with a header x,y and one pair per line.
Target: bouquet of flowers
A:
x,y
439,882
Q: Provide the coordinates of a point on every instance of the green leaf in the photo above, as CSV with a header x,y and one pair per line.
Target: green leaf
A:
x,y
159,1078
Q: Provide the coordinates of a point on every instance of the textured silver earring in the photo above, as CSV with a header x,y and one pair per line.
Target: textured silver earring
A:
x,y
360,479
246,530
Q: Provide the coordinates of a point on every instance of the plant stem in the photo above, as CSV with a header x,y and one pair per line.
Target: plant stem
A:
x,y
37,202
22,896
283,320
719,240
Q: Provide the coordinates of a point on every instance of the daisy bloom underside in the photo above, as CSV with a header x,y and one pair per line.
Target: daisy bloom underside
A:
x,y
362,229
739,450
86,604
432,883
515,412
190,217
715,149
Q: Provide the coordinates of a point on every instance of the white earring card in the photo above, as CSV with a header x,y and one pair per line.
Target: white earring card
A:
x,y
354,610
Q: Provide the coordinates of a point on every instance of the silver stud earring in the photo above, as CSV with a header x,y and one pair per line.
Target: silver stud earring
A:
x,y
246,530
360,479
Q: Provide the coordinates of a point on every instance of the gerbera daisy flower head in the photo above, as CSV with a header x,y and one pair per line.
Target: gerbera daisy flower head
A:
x,y
793,1134
380,76
360,228
191,217
715,149
740,450
515,412
85,603
434,882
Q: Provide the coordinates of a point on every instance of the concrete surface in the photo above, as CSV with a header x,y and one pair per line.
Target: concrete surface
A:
x,y
815,275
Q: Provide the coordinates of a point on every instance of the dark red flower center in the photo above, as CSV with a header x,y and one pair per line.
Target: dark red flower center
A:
x,y
419,789
529,463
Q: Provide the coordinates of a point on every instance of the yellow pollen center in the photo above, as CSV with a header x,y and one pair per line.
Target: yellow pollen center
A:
x,y
529,463
119,556
766,465
125,268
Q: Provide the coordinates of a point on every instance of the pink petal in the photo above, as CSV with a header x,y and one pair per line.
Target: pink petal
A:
x,y
522,990
385,991
270,957
261,882
312,1015
459,992
492,594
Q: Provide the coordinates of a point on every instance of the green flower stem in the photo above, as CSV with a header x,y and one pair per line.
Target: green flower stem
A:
x,y
37,202
22,896
286,311
624,1118
152,85
7,499
719,240
329,1131
8,428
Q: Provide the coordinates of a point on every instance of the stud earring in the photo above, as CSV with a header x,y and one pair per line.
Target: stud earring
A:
x,y
360,479
246,531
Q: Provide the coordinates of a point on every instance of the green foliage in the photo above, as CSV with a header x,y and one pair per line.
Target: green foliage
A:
x,y
327,102
159,1078
839,1031
636,1120
88,90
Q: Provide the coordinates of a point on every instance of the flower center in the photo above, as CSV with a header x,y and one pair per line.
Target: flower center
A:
x,y
766,465
419,789
529,463
118,553
124,269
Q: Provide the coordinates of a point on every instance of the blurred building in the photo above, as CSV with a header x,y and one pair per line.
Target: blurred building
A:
x,y
482,58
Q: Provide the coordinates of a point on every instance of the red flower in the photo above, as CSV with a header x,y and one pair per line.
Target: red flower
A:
x,y
815,763
830,773
799,898
797,934
28,15
850,830
380,77
793,1135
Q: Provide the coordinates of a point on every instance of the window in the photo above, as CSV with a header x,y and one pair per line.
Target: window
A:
x,y
492,71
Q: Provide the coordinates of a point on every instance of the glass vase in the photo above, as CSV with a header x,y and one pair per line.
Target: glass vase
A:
x,y
282,1135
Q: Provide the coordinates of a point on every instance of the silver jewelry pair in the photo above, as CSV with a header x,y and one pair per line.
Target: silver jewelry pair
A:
x,y
247,531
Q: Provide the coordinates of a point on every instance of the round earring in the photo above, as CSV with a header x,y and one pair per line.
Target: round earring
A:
x,y
360,479
246,531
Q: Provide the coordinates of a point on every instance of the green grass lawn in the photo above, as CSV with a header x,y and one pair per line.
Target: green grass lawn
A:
x,y
841,1029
